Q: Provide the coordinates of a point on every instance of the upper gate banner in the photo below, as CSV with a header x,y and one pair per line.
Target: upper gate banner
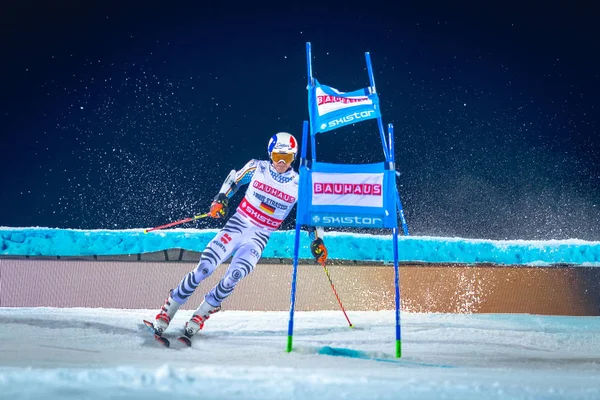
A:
x,y
331,109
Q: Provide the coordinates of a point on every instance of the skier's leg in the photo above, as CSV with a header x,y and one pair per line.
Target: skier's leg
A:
x,y
242,264
217,251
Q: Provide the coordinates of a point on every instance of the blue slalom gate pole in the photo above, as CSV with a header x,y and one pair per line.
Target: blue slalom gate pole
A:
x,y
401,212
397,289
379,119
293,295
313,148
398,202
387,153
395,250
296,251
311,83
309,64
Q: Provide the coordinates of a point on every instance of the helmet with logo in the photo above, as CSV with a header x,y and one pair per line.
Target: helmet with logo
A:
x,y
282,147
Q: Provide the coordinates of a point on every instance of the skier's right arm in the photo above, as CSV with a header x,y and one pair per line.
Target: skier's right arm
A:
x,y
220,205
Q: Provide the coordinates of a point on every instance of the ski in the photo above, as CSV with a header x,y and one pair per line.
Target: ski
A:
x,y
185,340
162,340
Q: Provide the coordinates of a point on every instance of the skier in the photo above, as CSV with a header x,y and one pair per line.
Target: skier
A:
x,y
269,198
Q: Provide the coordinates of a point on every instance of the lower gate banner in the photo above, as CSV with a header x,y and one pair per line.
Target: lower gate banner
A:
x,y
347,195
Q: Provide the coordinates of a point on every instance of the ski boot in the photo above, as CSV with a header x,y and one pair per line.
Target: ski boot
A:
x,y
199,318
167,311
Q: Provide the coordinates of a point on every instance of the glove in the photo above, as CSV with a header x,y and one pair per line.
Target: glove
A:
x,y
318,250
220,206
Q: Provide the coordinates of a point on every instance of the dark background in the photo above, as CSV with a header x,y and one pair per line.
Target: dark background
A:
x,y
128,115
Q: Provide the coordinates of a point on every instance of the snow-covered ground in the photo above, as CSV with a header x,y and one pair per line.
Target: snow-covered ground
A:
x,y
53,353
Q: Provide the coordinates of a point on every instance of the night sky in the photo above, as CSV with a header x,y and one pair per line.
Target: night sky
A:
x,y
117,116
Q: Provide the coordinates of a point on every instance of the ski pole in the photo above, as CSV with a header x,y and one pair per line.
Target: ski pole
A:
x,y
183,221
336,295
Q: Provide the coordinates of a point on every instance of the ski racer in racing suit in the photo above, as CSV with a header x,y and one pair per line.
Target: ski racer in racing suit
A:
x,y
271,194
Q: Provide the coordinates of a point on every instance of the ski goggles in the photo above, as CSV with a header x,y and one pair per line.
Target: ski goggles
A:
x,y
287,158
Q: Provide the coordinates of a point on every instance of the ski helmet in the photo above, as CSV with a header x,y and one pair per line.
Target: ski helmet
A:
x,y
283,143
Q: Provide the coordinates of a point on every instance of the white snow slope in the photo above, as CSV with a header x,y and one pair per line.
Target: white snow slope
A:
x,y
53,353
